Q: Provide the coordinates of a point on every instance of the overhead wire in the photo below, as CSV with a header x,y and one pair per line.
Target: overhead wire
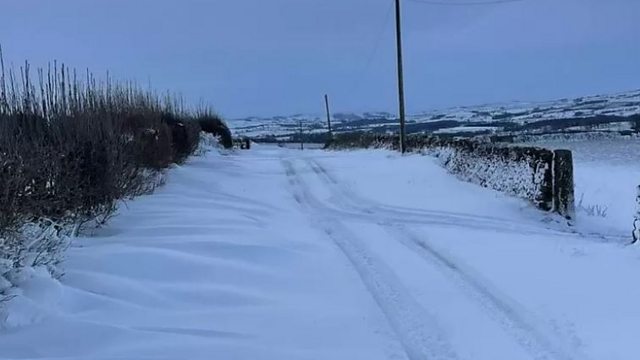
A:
x,y
376,47
383,29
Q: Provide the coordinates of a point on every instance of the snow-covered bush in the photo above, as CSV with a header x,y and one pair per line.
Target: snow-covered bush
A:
x,y
207,143
211,123
36,244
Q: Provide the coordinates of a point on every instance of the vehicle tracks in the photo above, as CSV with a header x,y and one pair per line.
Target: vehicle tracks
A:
x,y
534,335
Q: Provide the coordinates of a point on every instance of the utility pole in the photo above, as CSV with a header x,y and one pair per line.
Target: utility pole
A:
x,y
326,103
403,147
301,134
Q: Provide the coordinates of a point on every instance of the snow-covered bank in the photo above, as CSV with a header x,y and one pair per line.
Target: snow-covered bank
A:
x,y
606,174
283,254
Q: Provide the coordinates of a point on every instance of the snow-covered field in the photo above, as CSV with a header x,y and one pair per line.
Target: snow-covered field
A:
x,y
470,129
517,112
282,254
607,174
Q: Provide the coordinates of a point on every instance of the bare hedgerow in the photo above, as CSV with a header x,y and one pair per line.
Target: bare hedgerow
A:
x,y
71,149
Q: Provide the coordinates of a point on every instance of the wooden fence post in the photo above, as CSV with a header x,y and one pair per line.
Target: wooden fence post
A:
x,y
563,190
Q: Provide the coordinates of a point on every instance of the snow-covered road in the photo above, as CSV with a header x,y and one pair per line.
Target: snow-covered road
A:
x,y
283,254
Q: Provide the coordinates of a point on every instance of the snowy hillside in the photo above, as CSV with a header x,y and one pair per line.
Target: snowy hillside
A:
x,y
483,118
337,260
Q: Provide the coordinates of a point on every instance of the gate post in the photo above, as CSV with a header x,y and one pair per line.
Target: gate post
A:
x,y
563,189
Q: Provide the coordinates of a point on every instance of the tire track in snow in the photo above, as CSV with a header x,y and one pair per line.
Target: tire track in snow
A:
x,y
401,214
533,335
363,214
398,210
346,200
417,330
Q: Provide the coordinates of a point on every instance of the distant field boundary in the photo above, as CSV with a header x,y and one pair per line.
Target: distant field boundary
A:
x,y
566,136
542,176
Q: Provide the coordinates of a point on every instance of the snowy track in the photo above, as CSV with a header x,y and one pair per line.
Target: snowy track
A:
x,y
281,254
515,321
417,329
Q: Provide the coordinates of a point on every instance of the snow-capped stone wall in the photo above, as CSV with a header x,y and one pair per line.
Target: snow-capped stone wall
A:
x,y
568,136
541,176
521,172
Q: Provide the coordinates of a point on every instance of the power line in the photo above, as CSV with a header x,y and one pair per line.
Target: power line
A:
x,y
383,29
380,36
464,3
376,48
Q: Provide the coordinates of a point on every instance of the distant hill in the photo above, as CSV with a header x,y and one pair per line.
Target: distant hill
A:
x,y
614,112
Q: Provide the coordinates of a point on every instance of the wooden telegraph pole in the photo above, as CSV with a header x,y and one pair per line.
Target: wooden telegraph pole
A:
x,y
301,134
326,103
403,147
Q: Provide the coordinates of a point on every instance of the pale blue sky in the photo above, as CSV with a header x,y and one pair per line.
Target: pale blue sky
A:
x,y
271,57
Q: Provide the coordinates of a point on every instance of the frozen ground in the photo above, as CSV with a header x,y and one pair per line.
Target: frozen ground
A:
x,y
283,254
607,174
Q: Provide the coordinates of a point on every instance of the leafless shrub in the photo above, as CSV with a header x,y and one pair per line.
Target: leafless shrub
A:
x,y
71,149
596,210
